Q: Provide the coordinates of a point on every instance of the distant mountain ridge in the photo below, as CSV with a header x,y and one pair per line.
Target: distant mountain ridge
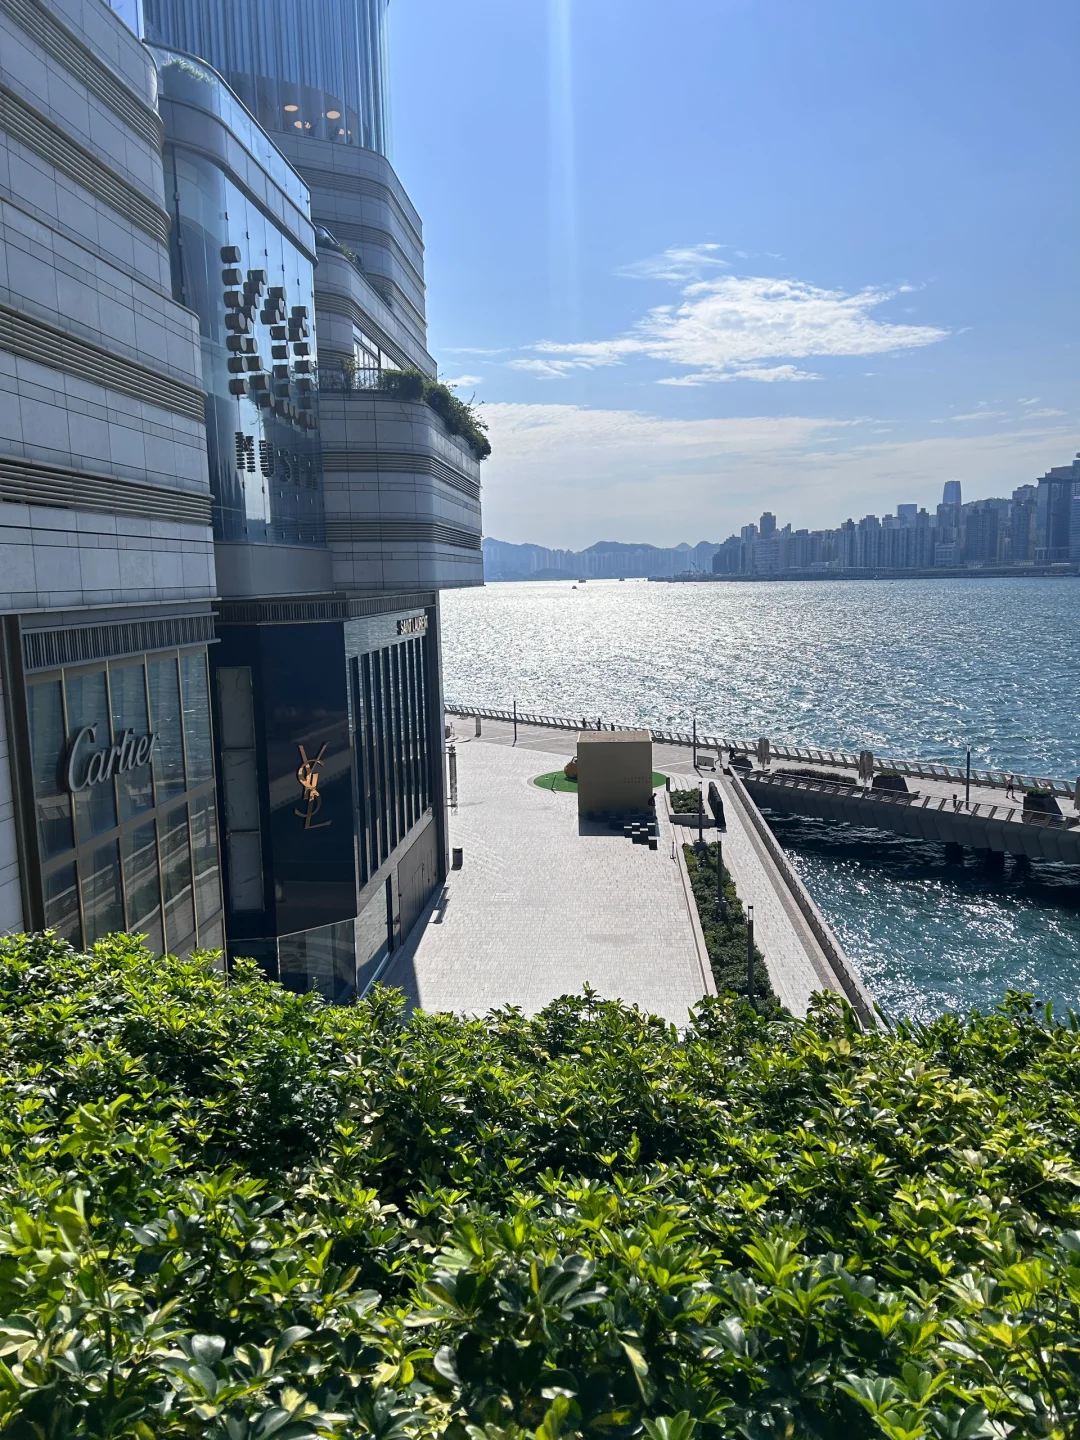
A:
x,y
606,559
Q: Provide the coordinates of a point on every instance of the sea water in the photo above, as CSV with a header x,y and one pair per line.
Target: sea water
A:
x,y
918,669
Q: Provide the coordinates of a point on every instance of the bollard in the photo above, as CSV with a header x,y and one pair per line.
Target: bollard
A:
x,y
750,953
515,722
478,726
457,858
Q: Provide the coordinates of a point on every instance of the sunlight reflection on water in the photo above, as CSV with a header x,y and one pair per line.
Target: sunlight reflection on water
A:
x,y
919,669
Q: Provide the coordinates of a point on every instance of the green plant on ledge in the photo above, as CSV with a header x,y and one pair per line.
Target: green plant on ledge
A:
x,y
459,417
725,935
233,1213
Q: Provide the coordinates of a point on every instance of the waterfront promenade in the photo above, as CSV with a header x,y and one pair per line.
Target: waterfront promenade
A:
x,y
539,910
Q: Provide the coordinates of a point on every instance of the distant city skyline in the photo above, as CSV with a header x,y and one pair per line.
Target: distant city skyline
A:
x,y
1037,525
824,266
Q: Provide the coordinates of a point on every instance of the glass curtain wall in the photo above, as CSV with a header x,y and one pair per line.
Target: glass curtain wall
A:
x,y
253,291
393,761
317,67
124,793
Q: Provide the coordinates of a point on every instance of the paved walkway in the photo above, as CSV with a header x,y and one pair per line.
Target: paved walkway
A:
x,y
796,965
793,956
538,909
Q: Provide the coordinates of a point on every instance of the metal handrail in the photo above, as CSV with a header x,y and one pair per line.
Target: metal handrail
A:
x,y
926,770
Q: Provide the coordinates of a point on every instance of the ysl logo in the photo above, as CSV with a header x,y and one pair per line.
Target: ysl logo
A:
x,y
308,775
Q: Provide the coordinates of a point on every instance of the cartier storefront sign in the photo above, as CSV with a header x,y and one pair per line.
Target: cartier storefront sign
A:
x,y
87,765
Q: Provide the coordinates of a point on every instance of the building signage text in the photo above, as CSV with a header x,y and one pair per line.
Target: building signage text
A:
x,y
413,625
87,766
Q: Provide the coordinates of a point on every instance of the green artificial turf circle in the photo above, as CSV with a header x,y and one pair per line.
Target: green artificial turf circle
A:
x,y
556,780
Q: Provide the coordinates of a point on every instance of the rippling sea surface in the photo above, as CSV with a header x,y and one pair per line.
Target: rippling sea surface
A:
x,y
918,669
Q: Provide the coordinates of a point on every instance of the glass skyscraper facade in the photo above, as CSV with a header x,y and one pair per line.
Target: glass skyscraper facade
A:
x,y
317,69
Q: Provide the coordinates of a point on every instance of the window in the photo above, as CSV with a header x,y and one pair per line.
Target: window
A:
x,y
112,856
176,878
393,768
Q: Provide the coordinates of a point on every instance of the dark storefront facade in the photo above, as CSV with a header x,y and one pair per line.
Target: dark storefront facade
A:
x,y
330,765
114,791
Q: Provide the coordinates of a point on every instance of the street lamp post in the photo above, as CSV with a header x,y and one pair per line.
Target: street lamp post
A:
x,y
515,722
750,953
967,782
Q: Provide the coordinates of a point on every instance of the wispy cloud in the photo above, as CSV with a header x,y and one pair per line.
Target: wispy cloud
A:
x,y
475,350
548,369
728,327
458,380
686,262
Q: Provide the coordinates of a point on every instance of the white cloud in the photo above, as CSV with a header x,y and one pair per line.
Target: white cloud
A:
x,y
569,475
473,350
681,263
725,326
546,369
743,372
463,380
1042,414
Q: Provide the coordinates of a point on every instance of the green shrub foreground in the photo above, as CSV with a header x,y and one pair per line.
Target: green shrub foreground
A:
x,y
230,1212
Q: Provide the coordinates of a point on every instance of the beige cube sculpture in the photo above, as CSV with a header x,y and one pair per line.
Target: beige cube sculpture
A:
x,y
614,772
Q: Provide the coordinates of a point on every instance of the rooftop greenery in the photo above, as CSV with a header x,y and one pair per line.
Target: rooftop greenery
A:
x,y
230,1212
460,417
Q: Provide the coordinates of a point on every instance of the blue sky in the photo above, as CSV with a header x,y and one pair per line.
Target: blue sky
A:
x,y
702,259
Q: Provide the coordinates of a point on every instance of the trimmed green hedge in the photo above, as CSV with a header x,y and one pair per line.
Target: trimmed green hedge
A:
x,y
725,936
235,1213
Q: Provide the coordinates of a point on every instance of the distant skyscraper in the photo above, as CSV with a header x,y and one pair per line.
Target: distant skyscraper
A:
x,y
768,524
951,493
907,514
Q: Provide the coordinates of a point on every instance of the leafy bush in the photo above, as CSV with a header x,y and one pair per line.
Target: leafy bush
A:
x,y
685,802
235,1213
459,417
726,935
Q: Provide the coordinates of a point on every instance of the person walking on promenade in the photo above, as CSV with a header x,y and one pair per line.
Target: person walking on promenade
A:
x,y
1010,792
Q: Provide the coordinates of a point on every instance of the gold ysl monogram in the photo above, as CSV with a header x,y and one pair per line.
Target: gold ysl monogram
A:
x,y
308,775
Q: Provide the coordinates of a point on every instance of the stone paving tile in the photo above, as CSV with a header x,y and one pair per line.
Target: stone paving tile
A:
x,y
539,910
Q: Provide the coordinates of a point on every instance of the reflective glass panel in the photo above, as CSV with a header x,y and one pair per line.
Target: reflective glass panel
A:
x,y
204,844
127,685
48,748
165,723
88,705
176,878
141,884
196,693
212,937
62,904
102,905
